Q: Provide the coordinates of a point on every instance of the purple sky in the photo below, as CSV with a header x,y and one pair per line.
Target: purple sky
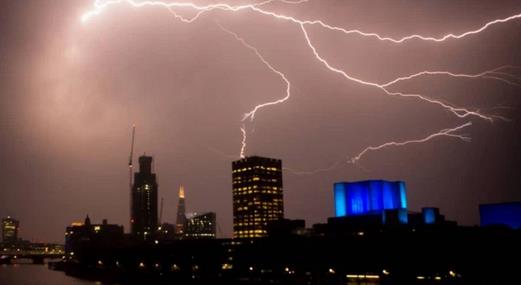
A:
x,y
70,91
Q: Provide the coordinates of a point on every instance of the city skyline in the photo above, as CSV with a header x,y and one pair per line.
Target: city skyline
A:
x,y
69,92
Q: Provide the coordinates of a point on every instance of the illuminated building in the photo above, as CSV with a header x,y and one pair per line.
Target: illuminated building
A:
x,y
181,213
369,197
201,226
10,230
506,214
431,216
257,195
144,200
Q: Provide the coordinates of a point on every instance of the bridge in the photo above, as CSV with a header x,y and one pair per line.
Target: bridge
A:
x,y
37,256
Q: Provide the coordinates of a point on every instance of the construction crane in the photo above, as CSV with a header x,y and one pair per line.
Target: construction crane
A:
x,y
130,166
130,158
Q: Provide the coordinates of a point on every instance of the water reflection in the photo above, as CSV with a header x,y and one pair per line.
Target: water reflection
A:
x,y
22,274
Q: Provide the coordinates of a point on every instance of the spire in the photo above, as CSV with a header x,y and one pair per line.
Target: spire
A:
x,y
181,192
87,221
181,212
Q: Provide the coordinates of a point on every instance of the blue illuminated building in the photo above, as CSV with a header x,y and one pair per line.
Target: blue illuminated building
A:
x,y
430,215
506,214
369,197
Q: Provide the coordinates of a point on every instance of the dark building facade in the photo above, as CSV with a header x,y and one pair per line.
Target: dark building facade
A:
x,y
144,218
257,195
181,213
10,230
77,235
201,226
166,231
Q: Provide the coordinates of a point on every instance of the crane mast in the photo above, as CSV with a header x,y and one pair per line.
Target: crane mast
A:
x,y
130,158
130,166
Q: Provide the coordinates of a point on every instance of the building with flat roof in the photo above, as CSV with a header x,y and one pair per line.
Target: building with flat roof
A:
x,y
505,214
369,197
201,226
79,234
257,195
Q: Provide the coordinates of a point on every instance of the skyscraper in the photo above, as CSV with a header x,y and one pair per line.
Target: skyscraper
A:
x,y
257,195
143,220
181,213
10,230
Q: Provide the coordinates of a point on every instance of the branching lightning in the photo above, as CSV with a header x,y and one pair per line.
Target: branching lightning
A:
x,y
460,112
442,133
214,7
490,74
251,114
101,5
378,36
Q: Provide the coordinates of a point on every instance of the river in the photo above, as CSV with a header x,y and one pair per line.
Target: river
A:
x,y
28,274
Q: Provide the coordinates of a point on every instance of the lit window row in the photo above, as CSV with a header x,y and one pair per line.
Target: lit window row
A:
x,y
238,170
254,190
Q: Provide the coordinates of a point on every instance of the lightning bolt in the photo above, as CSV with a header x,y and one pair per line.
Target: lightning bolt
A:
x,y
251,114
243,142
210,8
100,6
442,133
490,74
460,112
378,36
507,75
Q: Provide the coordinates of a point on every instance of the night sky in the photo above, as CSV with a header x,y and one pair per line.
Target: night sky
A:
x,y
70,92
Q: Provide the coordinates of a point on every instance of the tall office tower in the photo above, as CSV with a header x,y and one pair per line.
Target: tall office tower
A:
x,y
143,220
202,226
257,195
10,230
181,213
